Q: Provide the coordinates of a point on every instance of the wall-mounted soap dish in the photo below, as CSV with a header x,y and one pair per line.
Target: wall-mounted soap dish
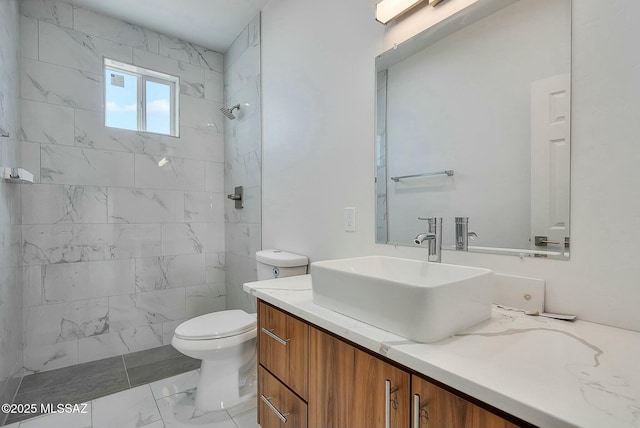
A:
x,y
17,175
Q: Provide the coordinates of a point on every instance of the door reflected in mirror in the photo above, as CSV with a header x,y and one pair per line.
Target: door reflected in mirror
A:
x,y
473,120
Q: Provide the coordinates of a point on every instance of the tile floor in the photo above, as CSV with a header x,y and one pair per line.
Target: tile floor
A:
x,y
167,403
90,381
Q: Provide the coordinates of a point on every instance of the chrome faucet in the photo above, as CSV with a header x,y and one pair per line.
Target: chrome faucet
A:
x,y
463,234
434,236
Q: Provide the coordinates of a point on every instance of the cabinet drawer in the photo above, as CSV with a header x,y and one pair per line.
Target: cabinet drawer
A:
x,y
284,347
278,406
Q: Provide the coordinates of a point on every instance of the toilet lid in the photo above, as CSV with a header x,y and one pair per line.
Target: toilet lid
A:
x,y
217,325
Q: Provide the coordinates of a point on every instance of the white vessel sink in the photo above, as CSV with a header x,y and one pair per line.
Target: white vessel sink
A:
x,y
422,301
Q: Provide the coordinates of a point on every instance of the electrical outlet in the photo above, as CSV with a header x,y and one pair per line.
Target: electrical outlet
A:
x,y
350,219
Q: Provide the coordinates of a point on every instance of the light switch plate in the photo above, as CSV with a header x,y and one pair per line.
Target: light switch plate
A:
x,y
350,219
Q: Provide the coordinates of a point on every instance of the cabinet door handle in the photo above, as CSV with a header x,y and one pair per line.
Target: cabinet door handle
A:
x,y
388,401
387,404
420,414
274,336
267,401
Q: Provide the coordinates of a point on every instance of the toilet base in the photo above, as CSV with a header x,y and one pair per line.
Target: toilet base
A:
x,y
222,386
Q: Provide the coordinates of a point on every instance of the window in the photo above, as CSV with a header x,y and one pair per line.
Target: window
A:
x,y
140,99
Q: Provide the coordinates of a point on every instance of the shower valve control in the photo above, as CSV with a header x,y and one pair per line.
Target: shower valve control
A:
x,y
237,197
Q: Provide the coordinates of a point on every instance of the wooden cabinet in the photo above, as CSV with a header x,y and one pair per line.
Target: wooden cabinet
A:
x,y
485,419
331,369
351,388
279,407
310,378
434,407
380,393
283,347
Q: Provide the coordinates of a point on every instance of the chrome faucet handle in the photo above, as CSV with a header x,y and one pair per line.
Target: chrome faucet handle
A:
x,y
431,219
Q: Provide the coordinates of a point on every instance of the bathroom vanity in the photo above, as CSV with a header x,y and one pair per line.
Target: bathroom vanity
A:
x,y
318,368
316,379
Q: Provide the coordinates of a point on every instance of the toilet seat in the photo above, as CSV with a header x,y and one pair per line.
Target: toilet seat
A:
x,y
216,325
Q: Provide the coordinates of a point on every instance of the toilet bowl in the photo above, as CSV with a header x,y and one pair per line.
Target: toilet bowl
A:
x,y
226,343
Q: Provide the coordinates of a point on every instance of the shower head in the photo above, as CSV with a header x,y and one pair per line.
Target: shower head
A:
x,y
229,111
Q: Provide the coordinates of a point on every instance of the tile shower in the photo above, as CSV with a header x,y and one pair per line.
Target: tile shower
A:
x,y
117,250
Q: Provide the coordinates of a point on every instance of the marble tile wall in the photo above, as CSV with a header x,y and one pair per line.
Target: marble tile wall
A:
x,y
10,206
243,163
117,250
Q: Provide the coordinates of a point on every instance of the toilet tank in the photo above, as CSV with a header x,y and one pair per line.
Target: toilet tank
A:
x,y
279,264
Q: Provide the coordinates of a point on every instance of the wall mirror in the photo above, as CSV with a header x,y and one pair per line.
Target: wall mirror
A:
x,y
473,120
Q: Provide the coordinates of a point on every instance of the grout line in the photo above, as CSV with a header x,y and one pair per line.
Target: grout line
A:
x,y
15,394
156,403
233,420
126,372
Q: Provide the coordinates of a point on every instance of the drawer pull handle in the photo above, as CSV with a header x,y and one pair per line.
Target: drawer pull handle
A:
x,y
275,337
267,401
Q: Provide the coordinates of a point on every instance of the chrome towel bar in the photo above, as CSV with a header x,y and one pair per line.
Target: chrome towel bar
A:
x,y
448,172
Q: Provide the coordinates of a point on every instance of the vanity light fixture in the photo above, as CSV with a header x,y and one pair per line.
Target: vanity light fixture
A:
x,y
387,10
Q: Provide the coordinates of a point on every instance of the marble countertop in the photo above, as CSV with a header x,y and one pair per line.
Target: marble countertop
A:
x,y
550,373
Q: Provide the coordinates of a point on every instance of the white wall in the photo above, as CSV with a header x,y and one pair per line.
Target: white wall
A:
x,y
318,98
318,109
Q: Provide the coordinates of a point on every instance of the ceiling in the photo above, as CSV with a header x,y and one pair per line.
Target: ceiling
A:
x,y
214,24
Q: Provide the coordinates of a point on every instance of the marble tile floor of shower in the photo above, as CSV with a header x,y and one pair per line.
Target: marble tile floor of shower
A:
x,y
135,379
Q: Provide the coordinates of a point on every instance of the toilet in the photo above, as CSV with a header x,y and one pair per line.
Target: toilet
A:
x,y
225,341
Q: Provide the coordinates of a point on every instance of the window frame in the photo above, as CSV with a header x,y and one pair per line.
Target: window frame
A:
x,y
144,75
